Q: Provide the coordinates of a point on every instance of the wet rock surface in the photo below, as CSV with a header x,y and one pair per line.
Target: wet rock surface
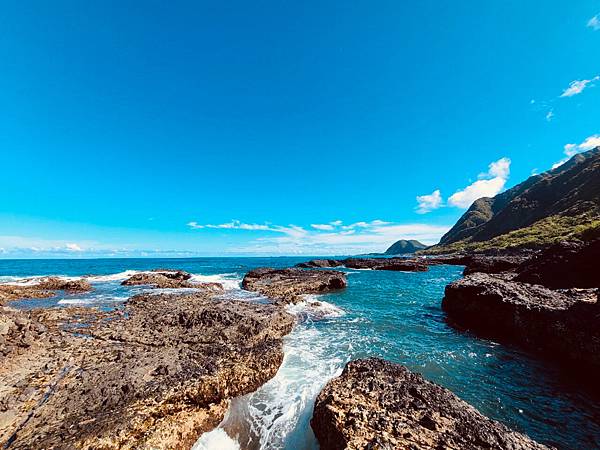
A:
x,y
168,279
562,324
376,404
289,285
41,288
393,264
154,374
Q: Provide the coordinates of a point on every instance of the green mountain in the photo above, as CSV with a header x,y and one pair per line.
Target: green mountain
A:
x,y
563,203
404,246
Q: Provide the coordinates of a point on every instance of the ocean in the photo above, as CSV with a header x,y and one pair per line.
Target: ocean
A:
x,y
394,315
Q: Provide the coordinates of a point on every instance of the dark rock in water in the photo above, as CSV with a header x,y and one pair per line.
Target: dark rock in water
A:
x,y
562,324
376,404
393,264
493,264
403,246
41,288
564,265
156,374
160,278
320,263
174,274
289,285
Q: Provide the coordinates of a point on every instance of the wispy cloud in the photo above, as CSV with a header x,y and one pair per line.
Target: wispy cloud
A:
x,y
73,247
578,86
550,115
594,23
571,150
322,226
429,202
333,237
489,184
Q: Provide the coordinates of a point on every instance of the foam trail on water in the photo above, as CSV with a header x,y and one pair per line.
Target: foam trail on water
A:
x,y
216,439
270,417
230,281
120,276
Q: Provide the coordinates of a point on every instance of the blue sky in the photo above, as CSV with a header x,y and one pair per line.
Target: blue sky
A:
x,y
205,128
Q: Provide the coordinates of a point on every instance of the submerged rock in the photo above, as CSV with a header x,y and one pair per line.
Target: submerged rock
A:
x,y
376,404
155,374
289,285
562,324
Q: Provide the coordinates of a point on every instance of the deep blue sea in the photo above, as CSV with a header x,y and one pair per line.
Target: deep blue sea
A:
x,y
394,315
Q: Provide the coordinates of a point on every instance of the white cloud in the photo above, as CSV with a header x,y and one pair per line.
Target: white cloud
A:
x,y
489,184
73,247
194,225
571,150
427,203
322,226
332,237
594,23
577,86
550,115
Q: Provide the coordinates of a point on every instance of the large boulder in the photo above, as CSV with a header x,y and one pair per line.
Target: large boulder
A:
x,y
41,288
163,279
562,324
376,404
155,374
290,285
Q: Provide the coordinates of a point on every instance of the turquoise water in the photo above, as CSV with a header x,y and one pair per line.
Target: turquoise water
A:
x,y
394,315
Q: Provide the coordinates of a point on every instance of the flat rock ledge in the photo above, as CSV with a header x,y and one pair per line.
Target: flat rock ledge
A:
x,y
41,288
562,324
155,374
392,264
169,279
376,404
290,285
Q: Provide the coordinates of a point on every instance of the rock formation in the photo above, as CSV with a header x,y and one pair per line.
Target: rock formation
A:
x,y
155,374
562,324
376,404
289,285
168,279
40,288
392,264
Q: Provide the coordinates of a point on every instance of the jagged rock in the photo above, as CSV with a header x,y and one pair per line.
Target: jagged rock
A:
x,y
155,374
562,324
41,288
289,285
174,274
320,263
376,404
59,284
564,265
493,264
161,278
392,264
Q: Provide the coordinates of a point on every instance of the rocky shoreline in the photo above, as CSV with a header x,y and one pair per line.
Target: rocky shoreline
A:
x,y
375,404
548,303
161,369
